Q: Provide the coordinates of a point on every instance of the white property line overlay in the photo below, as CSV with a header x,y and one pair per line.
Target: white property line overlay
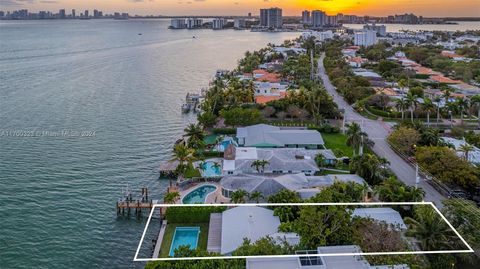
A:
x,y
469,250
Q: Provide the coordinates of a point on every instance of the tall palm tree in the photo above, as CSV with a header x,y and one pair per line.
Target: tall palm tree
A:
x,y
195,133
401,104
475,100
466,149
462,105
256,196
428,107
412,103
437,102
355,136
183,155
320,160
432,232
239,196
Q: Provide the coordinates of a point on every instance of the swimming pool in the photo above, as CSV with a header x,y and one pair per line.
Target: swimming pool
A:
x,y
211,169
224,145
184,236
199,194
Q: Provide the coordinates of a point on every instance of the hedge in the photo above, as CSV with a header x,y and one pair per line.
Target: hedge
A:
x,y
382,113
224,131
212,154
326,128
192,214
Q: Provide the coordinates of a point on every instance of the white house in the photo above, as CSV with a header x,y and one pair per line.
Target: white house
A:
x,y
333,260
253,223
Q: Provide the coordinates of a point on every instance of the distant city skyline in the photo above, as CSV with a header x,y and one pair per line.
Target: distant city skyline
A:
x,y
429,8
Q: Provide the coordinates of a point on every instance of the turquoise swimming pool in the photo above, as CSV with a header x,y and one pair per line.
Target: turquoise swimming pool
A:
x,y
184,236
199,194
211,169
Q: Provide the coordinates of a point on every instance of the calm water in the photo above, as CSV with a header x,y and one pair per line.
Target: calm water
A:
x,y
460,26
58,194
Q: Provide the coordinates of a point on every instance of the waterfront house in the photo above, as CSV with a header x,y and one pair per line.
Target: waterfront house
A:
x,y
268,185
334,260
268,136
238,160
239,223
265,76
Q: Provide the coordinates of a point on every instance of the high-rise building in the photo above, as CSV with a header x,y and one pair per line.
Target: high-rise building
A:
x,y
62,14
332,20
218,23
239,23
271,18
73,14
380,29
194,23
174,23
318,18
96,14
86,14
365,38
306,17
249,14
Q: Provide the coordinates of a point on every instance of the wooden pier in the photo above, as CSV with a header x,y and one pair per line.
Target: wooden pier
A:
x,y
127,204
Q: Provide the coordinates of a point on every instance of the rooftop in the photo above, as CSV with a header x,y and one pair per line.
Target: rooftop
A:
x,y
381,214
250,222
263,134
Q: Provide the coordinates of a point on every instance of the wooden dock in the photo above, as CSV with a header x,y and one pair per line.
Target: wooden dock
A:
x,y
127,204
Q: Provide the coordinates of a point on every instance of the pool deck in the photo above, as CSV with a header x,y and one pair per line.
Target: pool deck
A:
x,y
212,198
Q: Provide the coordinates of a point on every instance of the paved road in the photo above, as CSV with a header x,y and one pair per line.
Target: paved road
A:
x,y
378,131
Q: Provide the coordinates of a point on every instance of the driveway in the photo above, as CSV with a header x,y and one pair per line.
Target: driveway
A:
x,y
378,131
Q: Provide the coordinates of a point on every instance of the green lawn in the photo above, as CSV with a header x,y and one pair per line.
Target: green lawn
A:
x,y
339,142
168,237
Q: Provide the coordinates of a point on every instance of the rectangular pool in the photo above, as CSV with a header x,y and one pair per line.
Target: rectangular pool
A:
x,y
184,236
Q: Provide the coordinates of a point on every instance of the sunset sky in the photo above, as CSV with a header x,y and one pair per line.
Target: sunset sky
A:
x,y
431,8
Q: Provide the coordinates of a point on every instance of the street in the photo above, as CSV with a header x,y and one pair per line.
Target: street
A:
x,y
378,131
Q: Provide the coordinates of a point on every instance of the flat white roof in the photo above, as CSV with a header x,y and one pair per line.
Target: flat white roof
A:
x,y
249,222
381,214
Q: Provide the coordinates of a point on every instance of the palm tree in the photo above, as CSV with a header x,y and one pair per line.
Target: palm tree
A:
x,y
355,136
239,196
183,155
466,149
195,133
256,164
428,107
437,102
475,100
256,196
171,197
462,105
412,103
263,164
432,232
320,160
401,104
